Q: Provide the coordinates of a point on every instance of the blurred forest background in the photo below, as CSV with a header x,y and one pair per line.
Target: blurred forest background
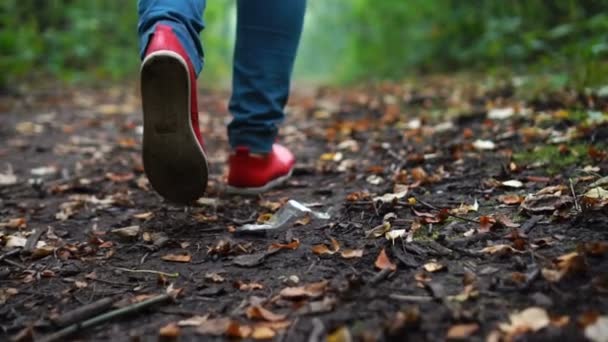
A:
x,y
562,41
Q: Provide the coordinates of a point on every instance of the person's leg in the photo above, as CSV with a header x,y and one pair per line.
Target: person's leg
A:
x,y
173,155
183,16
268,33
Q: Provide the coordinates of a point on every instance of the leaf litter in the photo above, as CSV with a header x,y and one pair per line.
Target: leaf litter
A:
x,y
420,197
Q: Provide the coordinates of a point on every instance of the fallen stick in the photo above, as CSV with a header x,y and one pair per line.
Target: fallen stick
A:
x,y
381,275
65,332
169,275
577,206
32,240
407,298
83,312
9,253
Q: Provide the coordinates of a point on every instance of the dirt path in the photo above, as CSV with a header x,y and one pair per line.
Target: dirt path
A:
x,y
434,174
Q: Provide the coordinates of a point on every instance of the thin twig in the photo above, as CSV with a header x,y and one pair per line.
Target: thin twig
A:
x,y
409,298
378,277
66,332
9,253
32,240
577,206
170,275
83,312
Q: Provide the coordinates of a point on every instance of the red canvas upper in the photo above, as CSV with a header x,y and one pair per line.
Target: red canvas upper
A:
x,y
164,39
252,171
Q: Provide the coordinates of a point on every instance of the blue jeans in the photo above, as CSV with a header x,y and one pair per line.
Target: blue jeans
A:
x,y
267,37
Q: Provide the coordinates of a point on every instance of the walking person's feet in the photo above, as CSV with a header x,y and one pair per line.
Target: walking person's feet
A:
x,y
173,155
252,174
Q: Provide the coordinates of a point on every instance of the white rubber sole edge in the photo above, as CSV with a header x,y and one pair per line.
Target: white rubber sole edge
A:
x,y
232,190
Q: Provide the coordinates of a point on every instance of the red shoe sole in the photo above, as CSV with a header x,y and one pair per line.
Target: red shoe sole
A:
x,y
174,161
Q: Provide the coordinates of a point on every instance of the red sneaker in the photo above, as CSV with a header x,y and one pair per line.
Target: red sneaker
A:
x,y
252,174
173,154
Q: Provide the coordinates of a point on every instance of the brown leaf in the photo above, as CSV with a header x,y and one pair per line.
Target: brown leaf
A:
x,y
292,245
120,177
500,249
262,333
258,312
351,253
383,262
546,203
505,221
144,216
177,257
462,331
323,249
236,329
596,248
531,319
214,277
247,286
170,332
15,223
510,199
486,223
312,290
303,221
341,334
215,327
433,267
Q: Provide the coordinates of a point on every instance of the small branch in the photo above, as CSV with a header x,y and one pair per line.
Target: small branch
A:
x,y
68,331
378,277
83,312
32,240
577,206
9,253
408,298
170,275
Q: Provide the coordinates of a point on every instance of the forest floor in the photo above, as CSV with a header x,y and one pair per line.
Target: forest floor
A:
x,y
441,209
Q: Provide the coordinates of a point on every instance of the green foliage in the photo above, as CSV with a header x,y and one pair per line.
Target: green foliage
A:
x,y
393,38
81,40
75,40
69,40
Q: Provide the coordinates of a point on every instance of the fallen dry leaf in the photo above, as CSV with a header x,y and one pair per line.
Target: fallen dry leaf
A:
x,y
598,331
312,290
214,277
433,267
462,331
500,249
15,223
323,249
341,334
510,199
531,319
248,286
215,327
378,230
258,312
292,245
565,265
383,262
170,331
262,333
237,330
351,253
177,257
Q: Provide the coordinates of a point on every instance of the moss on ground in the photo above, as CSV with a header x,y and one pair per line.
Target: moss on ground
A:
x,y
554,160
